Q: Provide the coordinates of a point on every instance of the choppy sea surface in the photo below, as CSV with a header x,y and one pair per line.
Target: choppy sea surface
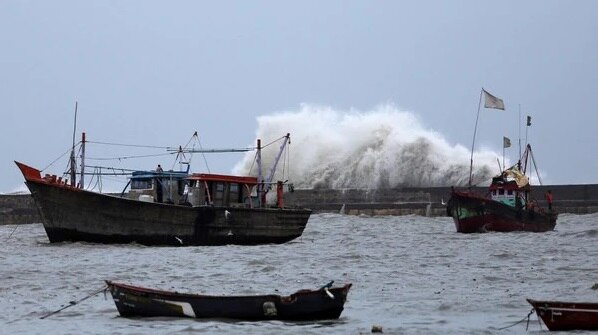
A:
x,y
410,275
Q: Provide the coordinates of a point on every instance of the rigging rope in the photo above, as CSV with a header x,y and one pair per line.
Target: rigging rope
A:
x,y
276,140
126,157
54,161
535,166
129,145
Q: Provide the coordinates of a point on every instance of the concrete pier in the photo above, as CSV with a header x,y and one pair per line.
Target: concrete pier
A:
x,y
425,201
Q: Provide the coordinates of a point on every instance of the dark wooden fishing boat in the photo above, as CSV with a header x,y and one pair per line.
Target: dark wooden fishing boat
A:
x,y
167,208
324,303
561,315
508,206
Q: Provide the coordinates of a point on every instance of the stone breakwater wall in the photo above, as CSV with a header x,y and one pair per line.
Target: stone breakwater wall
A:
x,y
429,201
18,209
425,201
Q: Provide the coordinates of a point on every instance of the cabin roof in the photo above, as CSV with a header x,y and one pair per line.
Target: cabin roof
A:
x,y
154,174
223,178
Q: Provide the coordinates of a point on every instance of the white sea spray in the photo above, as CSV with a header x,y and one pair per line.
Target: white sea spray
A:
x,y
376,149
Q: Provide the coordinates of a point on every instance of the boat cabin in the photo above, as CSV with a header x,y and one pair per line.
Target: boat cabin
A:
x,y
508,192
222,190
155,186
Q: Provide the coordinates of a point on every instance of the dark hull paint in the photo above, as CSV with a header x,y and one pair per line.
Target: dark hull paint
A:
x,y
560,315
475,214
70,214
303,305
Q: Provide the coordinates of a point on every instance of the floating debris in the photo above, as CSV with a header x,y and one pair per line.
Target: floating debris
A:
x,y
377,329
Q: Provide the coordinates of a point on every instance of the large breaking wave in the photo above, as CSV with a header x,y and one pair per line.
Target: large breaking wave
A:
x,y
377,149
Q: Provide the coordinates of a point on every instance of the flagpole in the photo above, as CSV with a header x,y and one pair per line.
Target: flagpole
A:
x,y
475,129
503,153
519,131
526,128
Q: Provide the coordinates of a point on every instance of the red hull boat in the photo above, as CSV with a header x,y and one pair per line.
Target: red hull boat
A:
x,y
508,206
561,315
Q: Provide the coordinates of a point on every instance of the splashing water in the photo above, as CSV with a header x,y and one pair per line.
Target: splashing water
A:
x,y
378,149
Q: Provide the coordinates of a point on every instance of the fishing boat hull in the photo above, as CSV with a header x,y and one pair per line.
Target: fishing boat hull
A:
x,y
475,214
322,304
560,315
73,214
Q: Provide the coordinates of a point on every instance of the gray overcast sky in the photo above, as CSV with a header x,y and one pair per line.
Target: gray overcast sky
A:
x,y
154,71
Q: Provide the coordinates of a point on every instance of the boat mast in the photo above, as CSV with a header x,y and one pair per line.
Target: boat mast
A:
x,y
475,129
260,179
82,178
519,126
72,161
273,169
490,102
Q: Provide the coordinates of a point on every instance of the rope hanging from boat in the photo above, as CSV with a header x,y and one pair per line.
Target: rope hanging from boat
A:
x,y
73,303
12,232
520,321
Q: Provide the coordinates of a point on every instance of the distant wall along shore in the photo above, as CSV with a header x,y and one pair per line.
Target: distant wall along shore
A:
x,y
425,201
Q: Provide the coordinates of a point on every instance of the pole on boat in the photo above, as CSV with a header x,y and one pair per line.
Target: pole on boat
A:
x,y
72,162
528,124
82,178
260,177
475,129
503,155
519,123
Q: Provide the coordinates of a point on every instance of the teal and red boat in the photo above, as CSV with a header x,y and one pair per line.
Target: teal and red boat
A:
x,y
507,206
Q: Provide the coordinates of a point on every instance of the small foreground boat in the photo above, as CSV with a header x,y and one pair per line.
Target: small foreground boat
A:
x,y
304,305
561,315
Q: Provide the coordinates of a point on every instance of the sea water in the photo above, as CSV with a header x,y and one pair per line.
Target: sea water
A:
x,y
410,275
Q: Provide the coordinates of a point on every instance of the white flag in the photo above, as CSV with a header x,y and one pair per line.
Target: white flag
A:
x,y
491,101
506,142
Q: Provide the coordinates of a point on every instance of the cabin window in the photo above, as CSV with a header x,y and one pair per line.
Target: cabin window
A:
x,y
219,193
141,184
501,192
510,192
493,192
233,192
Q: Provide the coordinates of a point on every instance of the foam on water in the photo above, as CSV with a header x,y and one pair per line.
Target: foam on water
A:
x,y
380,148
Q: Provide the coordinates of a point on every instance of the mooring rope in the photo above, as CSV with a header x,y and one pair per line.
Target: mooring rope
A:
x,y
12,232
73,303
520,321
